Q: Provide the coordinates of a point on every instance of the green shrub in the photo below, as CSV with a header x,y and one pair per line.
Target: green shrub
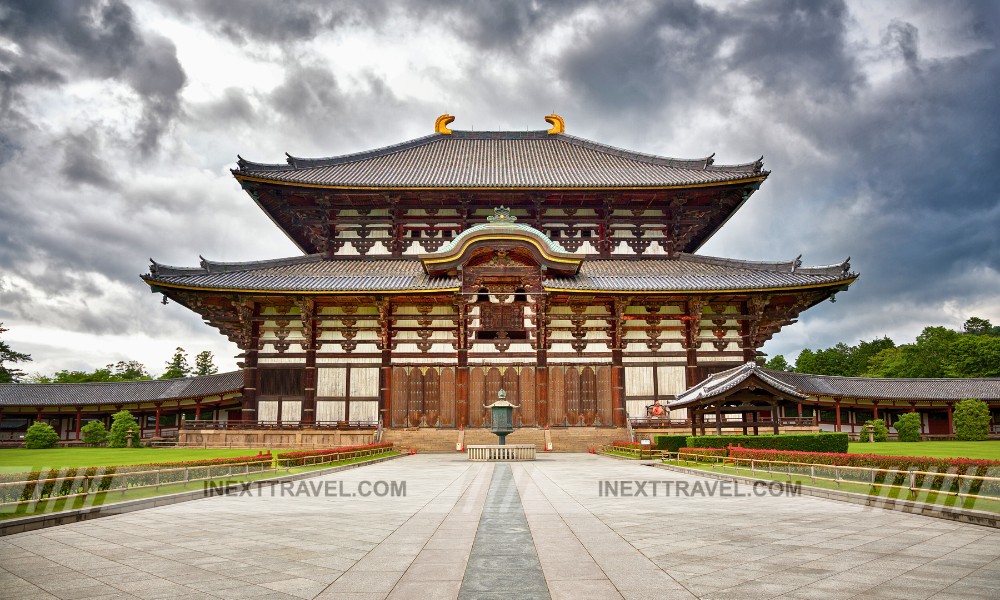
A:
x,y
94,434
122,422
908,427
670,443
876,427
40,435
803,442
700,454
972,420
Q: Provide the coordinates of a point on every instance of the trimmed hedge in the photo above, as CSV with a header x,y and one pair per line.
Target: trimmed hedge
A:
x,y
78,480
702,452
803,442
297,459
671,443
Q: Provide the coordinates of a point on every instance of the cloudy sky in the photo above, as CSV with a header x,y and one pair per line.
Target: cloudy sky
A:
x,y
119,122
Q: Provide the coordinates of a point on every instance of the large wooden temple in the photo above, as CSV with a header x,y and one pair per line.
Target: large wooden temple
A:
x,y
439,270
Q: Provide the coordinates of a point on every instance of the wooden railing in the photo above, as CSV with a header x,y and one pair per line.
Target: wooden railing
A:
x,y
934,482
77,486
235,425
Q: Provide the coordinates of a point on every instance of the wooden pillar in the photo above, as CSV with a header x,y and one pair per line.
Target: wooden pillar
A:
x,y
309,393
718,420
951,419
542,364
197,410
837,410
618,308
743,417
250,342
800,409
79,417
756,427
281,402
874,410
347,394
693,412
385,388
38,413
774,417
159,411
749,352
692,323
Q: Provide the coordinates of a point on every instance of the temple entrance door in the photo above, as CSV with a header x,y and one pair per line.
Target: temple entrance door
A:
x,y
423,397
517,382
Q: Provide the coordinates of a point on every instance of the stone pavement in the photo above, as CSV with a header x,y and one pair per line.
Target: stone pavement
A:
x,y
322,542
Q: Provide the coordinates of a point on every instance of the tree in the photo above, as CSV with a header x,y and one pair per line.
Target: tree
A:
x,y
908,427
972,420
121,371
204,364
879,430
977,326
7,355
40,435
778,363
94,433
177,366
122,422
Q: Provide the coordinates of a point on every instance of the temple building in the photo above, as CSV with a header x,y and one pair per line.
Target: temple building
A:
x,y
437,271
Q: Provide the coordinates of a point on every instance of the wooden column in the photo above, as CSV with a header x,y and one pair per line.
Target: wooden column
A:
x,y
951,419
159,411
38,414
250,334
385,364
743,417
542,365
692,323
799,406
693,413
837,410
619,414
718,420
874,410
347,394
774,417
462,388
79,417
307,314
197,410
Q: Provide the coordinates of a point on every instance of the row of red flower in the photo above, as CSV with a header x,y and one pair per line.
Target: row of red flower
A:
x,y
298,458
875,461
703,451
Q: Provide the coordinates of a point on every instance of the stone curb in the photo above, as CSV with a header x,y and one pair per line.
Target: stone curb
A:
x,y
23,524
972,517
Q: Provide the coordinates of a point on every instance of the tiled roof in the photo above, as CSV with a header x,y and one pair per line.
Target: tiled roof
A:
x,y
118,392
473,159
891,389
724,381
314,273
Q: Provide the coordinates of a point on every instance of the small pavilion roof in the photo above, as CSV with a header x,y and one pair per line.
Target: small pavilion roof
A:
x,y
719,383
119,392
316,274
501,159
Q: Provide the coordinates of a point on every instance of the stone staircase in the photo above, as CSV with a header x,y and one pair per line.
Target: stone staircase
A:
x,y
564,439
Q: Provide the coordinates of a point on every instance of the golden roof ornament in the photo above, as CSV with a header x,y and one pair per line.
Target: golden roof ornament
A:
x,y
557,122
501,214
441,124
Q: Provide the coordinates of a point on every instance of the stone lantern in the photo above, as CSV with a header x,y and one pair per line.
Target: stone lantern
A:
x,y
502,417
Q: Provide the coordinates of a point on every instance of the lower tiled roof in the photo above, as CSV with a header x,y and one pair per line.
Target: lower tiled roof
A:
x,y
118,392
314,273
891,389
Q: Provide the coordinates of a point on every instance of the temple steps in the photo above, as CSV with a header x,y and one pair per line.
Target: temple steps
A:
x,y
564,439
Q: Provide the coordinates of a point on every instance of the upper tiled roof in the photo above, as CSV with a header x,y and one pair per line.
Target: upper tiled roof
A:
x,y
118,392
724,381
314,273
473,159
894,389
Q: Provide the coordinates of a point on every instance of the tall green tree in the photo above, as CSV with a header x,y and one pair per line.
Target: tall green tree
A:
x,y
204,364
9,374
978,326
177,366
778,363
121,371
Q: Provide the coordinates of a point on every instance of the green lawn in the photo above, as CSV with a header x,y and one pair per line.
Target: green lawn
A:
x,y
16,460
943,449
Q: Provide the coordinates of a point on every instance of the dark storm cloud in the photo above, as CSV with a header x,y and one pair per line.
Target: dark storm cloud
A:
x,y
63,41
82,161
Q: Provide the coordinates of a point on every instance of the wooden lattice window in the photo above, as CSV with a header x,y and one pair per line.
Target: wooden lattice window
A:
x,y
282,382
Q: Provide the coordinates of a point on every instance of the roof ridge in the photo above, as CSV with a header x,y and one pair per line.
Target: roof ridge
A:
x,y
297,162
171,381
208,266
853,378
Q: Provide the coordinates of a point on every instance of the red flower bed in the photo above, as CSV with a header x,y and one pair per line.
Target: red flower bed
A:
x,y
298,458
701,452
630,445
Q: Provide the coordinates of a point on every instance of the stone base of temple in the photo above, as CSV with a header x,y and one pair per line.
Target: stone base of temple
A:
x,y
274,438
562,439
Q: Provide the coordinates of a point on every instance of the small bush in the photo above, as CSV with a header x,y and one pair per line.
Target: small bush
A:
x,y
803,442
972,420
121,423
94,434
40,435
690,453
908,427
879,432
671,443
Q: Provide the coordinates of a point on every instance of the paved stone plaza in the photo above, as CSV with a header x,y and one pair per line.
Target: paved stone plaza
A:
x,y
536,530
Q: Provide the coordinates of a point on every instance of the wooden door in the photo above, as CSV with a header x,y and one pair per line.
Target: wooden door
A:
x,y
416,404
588,395
605,409
432,396
400,396
526,393
477,395
494,381
447,405
510,385
572,391
557,397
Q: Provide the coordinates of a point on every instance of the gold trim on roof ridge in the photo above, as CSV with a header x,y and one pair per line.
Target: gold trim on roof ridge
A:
x,y
441,124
